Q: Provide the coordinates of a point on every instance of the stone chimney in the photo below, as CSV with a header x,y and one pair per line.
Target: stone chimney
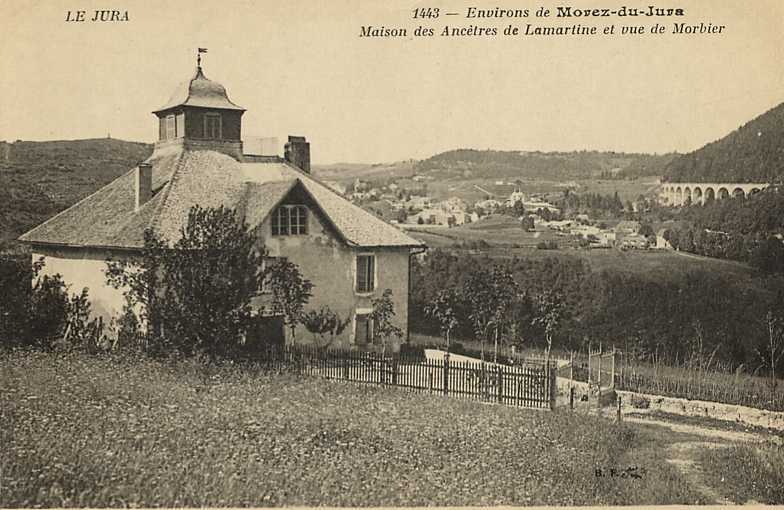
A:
x,y
143,184
297,152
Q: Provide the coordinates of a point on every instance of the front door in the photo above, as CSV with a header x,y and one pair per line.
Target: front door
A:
x,y
266,333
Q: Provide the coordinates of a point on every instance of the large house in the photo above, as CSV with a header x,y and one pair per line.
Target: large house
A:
x,y
350,255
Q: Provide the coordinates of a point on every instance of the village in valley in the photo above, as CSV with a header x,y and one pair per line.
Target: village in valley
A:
x,y
545,225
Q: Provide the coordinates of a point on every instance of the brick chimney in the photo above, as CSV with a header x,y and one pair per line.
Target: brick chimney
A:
x,y
143,184
297,152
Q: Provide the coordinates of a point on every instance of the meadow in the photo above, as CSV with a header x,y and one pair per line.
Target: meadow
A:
x,y
109,431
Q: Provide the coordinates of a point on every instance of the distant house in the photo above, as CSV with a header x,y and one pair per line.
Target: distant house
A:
x,y
488,204
627,227
562,225
536,205
632,241
515,197
661,242
350,255
436,216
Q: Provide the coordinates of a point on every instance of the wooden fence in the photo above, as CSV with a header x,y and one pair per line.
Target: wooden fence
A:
x,y
528,385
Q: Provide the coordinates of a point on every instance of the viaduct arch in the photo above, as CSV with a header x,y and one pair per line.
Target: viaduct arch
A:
x,y
683,193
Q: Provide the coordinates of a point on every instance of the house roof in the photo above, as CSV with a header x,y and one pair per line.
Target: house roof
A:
x,y
184,178
200,91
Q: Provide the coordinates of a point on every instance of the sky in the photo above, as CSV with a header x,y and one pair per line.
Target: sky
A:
x,y
300,67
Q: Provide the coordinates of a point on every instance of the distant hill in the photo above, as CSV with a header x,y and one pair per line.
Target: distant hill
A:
x,y
752,153
40,179
346,172
471,164
492,164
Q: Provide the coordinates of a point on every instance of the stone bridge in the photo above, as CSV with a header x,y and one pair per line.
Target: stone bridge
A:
x,y
683,193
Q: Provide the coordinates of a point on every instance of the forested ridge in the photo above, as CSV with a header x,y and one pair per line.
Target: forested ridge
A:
x,y
752,153
543,165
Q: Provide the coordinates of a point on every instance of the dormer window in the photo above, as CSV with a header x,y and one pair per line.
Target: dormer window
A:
x,y
290,220
213,128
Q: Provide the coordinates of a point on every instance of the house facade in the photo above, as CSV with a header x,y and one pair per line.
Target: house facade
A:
x,y
350,255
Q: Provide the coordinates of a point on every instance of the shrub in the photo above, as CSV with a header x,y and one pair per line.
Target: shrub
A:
x,y
640,402
410,350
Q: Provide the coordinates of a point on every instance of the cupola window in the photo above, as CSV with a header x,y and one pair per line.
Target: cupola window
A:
x,y
171,127
212,126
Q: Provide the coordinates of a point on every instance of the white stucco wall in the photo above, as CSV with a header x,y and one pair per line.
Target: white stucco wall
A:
x,y
84,267
331,266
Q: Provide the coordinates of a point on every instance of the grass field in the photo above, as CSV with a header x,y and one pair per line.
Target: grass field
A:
x,y
747,473
81,431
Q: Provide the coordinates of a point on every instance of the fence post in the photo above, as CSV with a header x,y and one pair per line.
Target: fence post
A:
x,y
599,381
619,409
430,377
446,374
571,368
394,370
590,367
612,369
571,398
499,384
551,383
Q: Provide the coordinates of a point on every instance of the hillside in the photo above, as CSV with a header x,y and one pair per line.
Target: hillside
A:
x,y
348,172
40,179
752,153
491,164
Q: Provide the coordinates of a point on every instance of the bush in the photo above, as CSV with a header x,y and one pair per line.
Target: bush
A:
x,y
410,350
640,402
36,310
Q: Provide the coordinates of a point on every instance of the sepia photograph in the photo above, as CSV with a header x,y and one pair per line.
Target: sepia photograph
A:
x,y
365,253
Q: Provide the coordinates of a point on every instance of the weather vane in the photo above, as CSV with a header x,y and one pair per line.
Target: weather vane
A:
x,y
198,56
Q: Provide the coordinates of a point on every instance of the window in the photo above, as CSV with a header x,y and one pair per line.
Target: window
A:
x,y
364,330
171,128
366,268
290,220
212,126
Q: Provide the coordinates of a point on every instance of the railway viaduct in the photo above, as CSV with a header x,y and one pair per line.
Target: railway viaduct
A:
x,y
682,193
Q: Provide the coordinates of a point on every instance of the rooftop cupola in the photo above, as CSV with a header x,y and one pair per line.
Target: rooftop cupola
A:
x,y
200,115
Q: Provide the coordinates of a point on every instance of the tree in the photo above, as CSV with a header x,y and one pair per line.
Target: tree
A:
x,y
768,256
646,230
548,316
325,325
383,316
490,296
771,352
195,294
444,308
290,292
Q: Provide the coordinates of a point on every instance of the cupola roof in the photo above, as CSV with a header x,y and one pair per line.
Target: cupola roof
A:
x,y
200,92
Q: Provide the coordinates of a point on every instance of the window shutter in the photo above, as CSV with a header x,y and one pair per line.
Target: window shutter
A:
x,y
371,273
